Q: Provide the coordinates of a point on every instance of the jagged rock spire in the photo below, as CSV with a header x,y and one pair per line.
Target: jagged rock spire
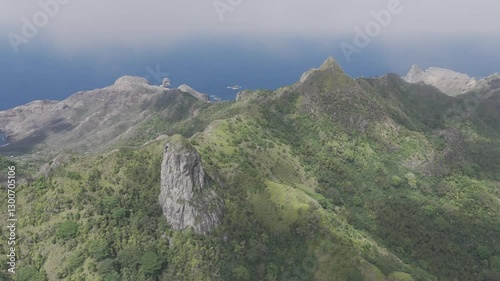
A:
x,y
187,198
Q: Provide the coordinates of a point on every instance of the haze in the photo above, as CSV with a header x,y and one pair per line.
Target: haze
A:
x,y
460,35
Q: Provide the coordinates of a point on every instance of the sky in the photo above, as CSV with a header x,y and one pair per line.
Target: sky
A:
x,y
50,49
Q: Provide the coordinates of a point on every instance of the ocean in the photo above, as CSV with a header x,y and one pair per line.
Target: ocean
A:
x,y
209,65
211,71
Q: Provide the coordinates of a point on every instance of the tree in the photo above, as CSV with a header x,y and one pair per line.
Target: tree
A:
x,y
113,276
129,257
495,263
75,260
483,252
29,273
241,273
73,175
67,230
396,181
411,179
98,249
151,263
106,267
355,275
272,272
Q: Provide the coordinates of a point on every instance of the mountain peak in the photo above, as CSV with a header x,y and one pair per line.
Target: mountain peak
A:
x,y
415,74
447,81
131,79
331,63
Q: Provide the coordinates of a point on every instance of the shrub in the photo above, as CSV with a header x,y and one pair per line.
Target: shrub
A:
x,y
495,263
483,252
355,275
386,264
29,273
73,175
113,276
75,260
396,181
241,273
119,214
129,256
98,249
106,267
411,179
67,230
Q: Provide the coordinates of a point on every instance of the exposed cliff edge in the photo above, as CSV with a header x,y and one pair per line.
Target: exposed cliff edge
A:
x,y
447,81
194,93
187,198
91,121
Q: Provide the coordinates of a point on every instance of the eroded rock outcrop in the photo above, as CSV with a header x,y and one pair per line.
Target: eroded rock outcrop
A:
x,y
447,81
187,196
91,121
194,93
166,83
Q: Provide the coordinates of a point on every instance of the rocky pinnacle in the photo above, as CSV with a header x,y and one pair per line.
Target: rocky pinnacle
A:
x,y
187,197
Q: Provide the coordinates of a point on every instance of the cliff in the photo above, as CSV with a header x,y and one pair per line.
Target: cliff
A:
x,y
194,93
187,197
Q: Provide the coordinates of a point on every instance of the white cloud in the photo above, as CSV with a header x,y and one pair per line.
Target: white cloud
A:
x,y
92,23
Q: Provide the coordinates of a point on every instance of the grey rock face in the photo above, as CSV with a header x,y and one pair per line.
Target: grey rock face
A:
x,y
166,83
414,75
194,93
131,79
186,196
449,82
89,121
47,168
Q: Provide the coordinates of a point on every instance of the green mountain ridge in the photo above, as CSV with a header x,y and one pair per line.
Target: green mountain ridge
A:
x,y
332,178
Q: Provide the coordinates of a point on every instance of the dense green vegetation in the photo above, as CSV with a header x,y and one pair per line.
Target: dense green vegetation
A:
x,y
332,179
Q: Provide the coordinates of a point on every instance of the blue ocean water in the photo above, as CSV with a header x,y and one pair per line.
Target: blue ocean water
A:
x,y
209,65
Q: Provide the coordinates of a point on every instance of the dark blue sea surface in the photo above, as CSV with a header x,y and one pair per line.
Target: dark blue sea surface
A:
x,y
209,65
